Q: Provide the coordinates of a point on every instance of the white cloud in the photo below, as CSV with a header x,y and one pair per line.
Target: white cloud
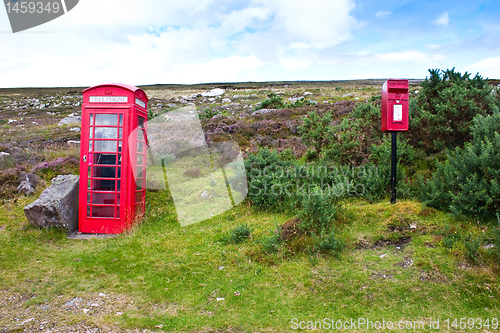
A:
x,y
442,19
489,67
160,41
382,14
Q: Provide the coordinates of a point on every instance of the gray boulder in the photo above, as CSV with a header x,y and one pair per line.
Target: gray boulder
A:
x,y
26,188
71,120
57,206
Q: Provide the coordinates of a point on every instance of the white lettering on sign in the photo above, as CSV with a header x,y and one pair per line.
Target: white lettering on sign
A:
x,y
398,113
140,103
108,99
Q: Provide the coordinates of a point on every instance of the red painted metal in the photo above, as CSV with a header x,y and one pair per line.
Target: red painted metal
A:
x,y
395,105
112,158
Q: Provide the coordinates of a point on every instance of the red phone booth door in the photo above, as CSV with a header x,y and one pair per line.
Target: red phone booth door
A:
x,y
104,161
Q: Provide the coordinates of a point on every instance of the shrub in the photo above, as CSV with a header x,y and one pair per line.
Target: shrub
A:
x,y
318,211
60,166
331,244
237,235
265,174
317,131
275,101
468,181
442,112
496,236
472,248
271,242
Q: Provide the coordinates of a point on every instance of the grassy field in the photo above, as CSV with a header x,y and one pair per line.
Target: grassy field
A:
x,y
402,262
161,276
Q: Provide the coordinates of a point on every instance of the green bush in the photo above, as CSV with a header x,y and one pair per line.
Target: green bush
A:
x,y
496,236
275,101
237,235
467,183
442,112
330,243
318,211
472,246
266,177
271,242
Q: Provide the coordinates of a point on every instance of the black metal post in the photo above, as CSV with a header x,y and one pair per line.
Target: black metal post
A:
x,y
393,167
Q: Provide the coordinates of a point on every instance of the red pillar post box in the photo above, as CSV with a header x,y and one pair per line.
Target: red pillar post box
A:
x,y
395,105
112,158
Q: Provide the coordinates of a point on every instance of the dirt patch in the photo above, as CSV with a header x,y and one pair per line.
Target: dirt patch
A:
x,y
364,244
290,229
405,263
400,242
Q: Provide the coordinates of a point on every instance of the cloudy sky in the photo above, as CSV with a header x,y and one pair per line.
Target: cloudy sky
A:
x,y
199,41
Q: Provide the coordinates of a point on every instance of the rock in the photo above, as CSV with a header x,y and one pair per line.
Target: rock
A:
x,y
57,206
346,95
204,195
213,93
26,188
71,120
2,154
75,129
73,142
489,246
262,111
226,100
33,179
307,93
11,121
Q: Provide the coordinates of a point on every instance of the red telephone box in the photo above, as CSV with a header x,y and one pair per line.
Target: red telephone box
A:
x,y
112,158
395,105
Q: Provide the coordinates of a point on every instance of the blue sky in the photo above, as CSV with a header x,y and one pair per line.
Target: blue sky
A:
x,y
198,41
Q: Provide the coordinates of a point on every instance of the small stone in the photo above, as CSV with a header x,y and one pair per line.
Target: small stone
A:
x,y
226,100
220,299
159,326
307,93
383,255
237,293
75,129
119,313
86,311
102,295
4,154
413,226
221,268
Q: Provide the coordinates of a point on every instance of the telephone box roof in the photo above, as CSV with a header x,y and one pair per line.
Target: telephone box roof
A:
x,y
120,85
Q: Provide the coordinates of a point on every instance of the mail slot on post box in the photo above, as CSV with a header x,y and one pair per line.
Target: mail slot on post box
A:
x,y
395,105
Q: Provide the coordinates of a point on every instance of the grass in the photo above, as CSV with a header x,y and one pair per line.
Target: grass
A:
x,y
163,274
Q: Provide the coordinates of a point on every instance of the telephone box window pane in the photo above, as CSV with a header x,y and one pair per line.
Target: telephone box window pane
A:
x,y
118,198
119,159
119,186
89,170
91,119
140,147
91,131
88,197
141,122
120,133
121,120
139,184
139,172
119,146
105,146
140,136
119,172
106,119
118,212
104,184
98,211
138,196
104,159
140,159
104,172
103,198
105,133
88,185
90,145
88,211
